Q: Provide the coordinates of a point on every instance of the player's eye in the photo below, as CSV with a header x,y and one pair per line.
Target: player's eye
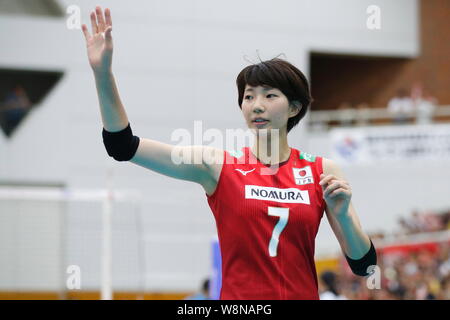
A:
x,y
271,94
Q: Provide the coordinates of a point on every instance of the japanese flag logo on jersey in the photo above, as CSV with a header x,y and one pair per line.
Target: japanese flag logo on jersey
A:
x,y
303,175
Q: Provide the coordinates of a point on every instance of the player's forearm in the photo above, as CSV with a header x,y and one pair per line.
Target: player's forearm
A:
x,y
356,242
113,113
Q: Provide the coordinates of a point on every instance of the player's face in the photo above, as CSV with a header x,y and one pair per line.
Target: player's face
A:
x,y
267,103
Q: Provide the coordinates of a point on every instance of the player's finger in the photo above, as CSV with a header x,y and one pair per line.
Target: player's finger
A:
x,y
108,17
86,33
94,24
100,19
108,36
327,179
338,191
333,186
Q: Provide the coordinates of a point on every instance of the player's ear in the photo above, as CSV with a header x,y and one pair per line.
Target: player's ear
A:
x,y
294,108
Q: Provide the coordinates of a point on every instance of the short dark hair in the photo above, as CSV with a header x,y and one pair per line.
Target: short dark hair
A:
x,y
280,74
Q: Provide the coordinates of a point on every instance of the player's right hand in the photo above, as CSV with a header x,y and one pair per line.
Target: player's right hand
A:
x,y
99,44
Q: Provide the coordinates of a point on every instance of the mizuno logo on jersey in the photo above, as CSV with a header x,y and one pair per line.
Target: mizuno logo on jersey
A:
x,y
289,195
303,175
244,172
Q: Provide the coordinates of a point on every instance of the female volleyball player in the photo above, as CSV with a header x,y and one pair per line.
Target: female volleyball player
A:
x,y
266,223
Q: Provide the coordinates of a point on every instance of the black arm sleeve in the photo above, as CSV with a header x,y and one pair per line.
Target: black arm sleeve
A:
x,y
121,145
359,267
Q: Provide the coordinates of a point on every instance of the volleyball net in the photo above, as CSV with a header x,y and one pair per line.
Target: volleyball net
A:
x,y
59,240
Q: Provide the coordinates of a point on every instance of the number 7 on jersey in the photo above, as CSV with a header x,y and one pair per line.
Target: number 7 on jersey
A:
x,y
283,213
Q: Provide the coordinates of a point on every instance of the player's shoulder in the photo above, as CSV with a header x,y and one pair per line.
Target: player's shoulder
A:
x,y
329,166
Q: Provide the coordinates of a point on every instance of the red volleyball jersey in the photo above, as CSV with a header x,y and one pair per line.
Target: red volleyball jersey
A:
x,y
267,224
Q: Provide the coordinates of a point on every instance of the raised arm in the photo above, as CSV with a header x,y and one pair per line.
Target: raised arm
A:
x,y
100,51
200,164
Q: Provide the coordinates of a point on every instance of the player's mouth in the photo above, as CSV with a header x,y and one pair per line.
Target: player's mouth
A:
x,y
260,122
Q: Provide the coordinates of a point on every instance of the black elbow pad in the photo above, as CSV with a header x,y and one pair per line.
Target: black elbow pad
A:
x,y
121,145
359,267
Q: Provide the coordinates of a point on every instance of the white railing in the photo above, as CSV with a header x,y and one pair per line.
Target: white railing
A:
x,y
324,119
413,239
396,240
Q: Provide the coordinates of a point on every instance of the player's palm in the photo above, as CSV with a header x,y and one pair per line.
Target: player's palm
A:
x,y
99,44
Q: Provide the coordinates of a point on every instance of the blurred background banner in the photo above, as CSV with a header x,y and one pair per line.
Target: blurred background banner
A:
x,y
377,145
216,275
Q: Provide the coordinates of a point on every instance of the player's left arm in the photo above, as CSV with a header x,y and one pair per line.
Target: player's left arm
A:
x,y
340,212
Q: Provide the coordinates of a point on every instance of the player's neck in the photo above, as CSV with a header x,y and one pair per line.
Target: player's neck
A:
x,y
271,153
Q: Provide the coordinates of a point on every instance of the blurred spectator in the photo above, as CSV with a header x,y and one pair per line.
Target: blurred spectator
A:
x,y
362,114
330,287
203,294
417,222
14,108
401,106
444,261
425,221
425,105
377,235
410,271
405,228
444,294
407,276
